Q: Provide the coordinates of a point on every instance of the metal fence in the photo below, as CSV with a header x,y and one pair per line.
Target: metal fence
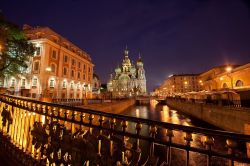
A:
x,y
39,133
221,102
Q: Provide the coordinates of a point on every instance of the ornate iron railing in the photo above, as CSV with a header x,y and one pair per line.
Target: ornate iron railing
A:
x,y
40,133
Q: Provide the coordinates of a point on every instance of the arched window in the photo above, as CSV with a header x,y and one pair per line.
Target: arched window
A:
x,y
224,85
239,83
64,85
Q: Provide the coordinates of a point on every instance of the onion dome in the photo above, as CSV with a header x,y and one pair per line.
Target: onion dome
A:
x,y
139,61
118,70
133,70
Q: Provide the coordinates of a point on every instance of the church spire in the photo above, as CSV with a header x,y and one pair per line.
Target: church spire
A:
x,y
126,51
139,59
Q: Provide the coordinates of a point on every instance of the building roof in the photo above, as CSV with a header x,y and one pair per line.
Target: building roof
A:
x,y
46,32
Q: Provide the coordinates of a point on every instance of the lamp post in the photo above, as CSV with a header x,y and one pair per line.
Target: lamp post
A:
x,y
229,70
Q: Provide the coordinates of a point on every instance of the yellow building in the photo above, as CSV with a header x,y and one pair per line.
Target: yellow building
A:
x,y
235,77
178,84
59,69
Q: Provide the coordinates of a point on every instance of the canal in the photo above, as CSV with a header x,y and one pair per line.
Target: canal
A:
x,y
163,113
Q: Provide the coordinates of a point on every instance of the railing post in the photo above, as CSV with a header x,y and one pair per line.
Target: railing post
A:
x,y
138,128
169,134
112,126
188,138
124,128
153,132
231,145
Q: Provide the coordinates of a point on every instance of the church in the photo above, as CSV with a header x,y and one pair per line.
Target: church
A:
x,y
128,79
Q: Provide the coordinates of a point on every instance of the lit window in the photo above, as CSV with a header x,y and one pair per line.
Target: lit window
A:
x,y
52,83
72,85
54,54
23,83
64,84
34,82
239,83
13,82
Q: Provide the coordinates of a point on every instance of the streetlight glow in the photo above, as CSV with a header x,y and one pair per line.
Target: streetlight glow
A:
x,y
48,69
229,69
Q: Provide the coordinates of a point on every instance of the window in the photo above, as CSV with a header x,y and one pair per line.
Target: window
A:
x,y
33,95
84,67
36,66
73,62
79,65
72,85
78,86
13,82
54,54
52,83
23,83
72,73
53,68
89,69
34,82
239,83
37,50
65,58
64,84
64,71
224,85
84,76
79,75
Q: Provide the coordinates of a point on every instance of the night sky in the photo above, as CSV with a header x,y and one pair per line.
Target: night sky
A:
x,y
173,36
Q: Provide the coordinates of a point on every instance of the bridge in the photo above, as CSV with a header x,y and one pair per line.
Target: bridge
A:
x,y
40,133
146,99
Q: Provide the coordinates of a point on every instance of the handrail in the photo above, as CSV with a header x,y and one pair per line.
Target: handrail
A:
x,y
142,120
105,122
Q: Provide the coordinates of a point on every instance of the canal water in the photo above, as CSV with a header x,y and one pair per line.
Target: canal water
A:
x,y
163,113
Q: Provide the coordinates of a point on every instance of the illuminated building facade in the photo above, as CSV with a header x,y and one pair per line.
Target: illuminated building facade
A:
x,y
235,77
59,69
128,80
178,84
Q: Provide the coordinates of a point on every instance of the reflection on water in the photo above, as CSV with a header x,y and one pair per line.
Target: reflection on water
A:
x,y
159,112
163,113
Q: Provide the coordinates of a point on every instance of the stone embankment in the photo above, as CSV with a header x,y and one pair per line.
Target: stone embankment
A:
x,y
111,107
236,119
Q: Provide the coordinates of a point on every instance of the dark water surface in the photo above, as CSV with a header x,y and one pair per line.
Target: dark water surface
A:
x,y
163,113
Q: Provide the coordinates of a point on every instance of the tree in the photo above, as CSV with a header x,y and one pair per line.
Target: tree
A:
x,y
15,50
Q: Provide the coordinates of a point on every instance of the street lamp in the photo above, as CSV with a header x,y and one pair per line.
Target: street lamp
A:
x,y
229,70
